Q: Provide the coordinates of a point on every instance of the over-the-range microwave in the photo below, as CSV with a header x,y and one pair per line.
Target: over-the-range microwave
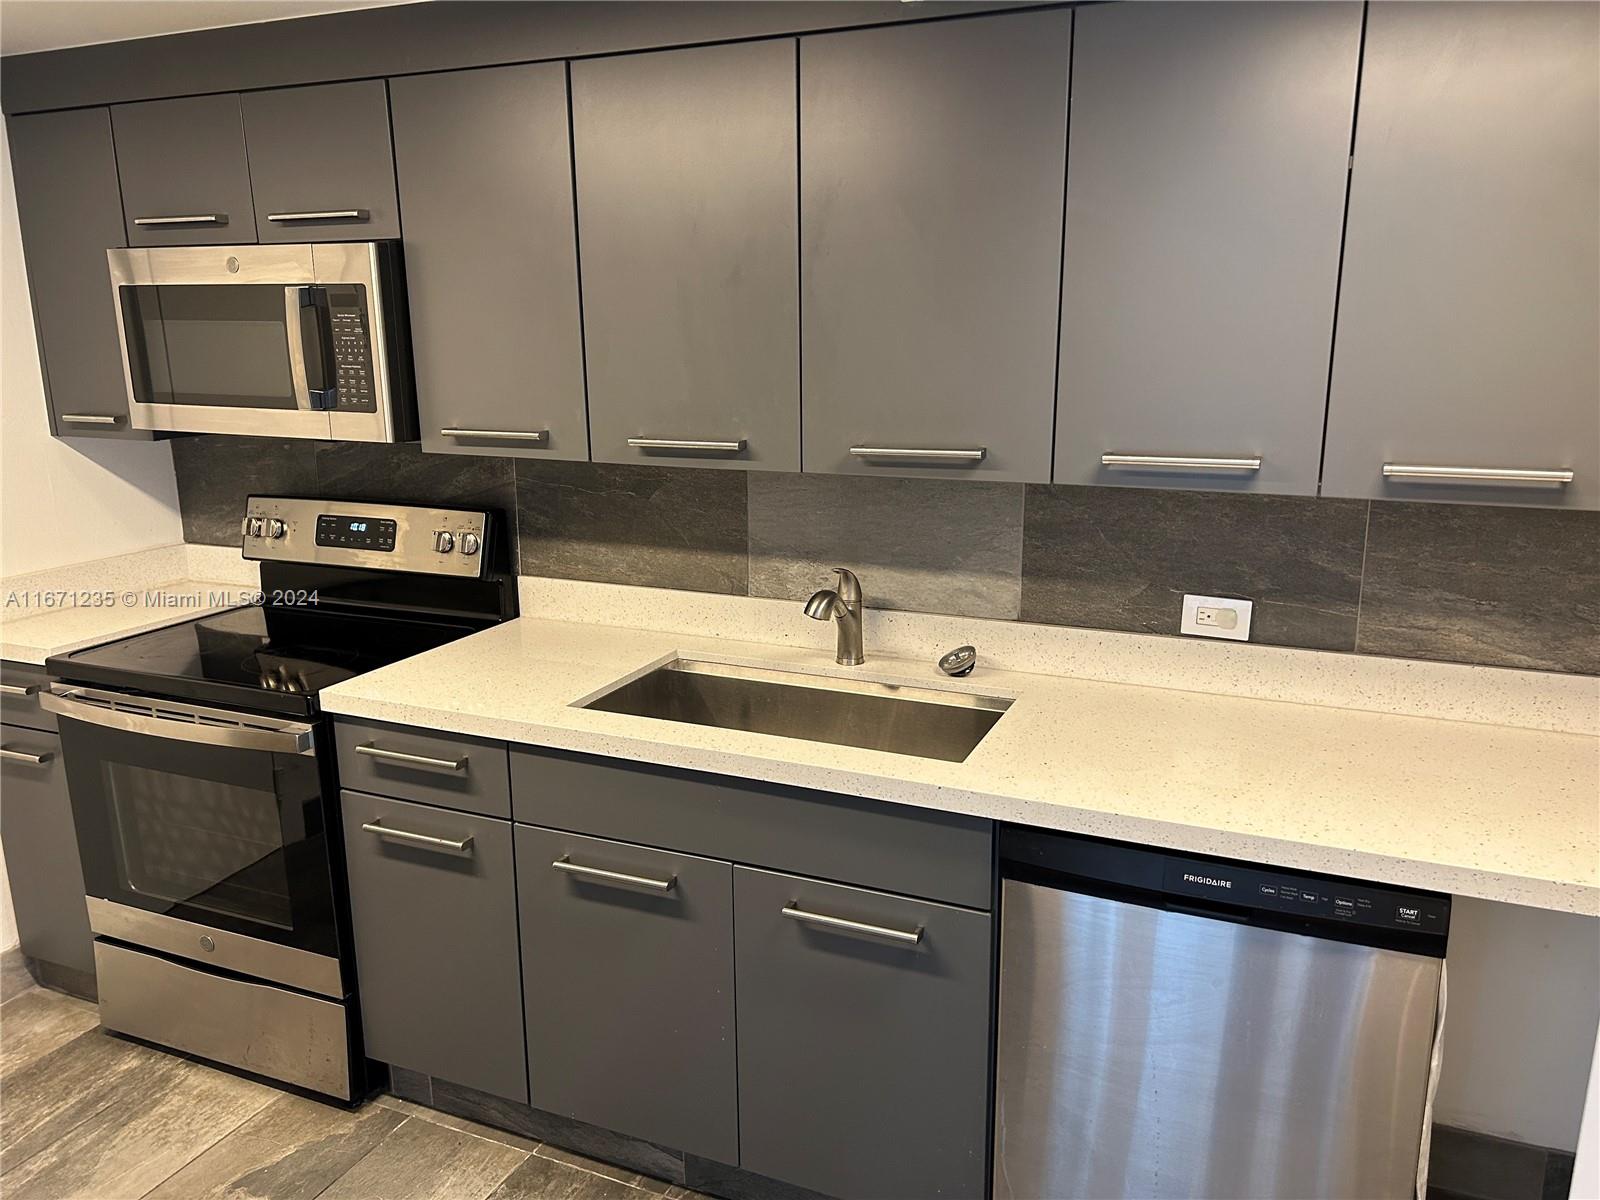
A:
x,y
291,341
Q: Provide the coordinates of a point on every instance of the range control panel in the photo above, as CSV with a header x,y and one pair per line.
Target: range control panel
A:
x,y
389,537
352,349
1301,895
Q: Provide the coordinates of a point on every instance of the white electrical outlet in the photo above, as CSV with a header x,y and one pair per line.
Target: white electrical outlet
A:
x,y
1216,616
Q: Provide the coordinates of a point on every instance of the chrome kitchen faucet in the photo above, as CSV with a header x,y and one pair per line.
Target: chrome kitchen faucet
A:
x,y
843,604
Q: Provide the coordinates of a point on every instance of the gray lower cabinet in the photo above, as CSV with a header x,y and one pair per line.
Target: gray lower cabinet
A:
x,y
185,181
20,685
690,278
443,769
41,850
1205,204
931,180
434,910
627,963
484,164
70,214
1470,299
863,1039
321,166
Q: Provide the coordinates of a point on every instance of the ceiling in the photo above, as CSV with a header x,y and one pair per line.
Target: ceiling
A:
x,y
29,25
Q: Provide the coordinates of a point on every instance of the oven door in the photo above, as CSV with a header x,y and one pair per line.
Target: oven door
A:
x,y
245,340
203,833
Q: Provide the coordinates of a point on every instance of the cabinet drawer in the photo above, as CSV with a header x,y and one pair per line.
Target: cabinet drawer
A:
x,y
20,685
864,1030
41,850
593,944
435,768
433,907
899,849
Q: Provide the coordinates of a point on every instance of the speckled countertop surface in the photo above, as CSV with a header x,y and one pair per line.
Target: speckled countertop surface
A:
x,y
35,637
1481,810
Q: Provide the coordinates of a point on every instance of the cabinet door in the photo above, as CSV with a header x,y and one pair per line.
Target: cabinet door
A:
x,y
604,924
321,166
1205,203
931,178
41,849
863,1055
1470,299
70,215
183,171
485,172
434,910
687,202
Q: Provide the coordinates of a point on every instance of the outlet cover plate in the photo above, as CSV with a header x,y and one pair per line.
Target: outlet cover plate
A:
x,y
1216,616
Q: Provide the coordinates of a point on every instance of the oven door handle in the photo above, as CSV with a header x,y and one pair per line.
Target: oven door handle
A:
x,y
179,722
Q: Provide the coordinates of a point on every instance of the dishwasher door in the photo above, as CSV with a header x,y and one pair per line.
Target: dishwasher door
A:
x,y
1149,1053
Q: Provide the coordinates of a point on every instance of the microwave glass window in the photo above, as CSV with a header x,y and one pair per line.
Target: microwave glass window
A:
x,y
223,346
201,843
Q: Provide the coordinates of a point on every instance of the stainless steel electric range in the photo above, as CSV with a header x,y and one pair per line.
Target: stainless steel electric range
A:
x,y
203,783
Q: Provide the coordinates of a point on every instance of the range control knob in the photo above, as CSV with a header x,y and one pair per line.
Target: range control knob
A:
x,y
444,541
276,528
253,526
469,543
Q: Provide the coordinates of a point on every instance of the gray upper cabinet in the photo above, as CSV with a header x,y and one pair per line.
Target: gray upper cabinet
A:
x,y
1470,300
185,181
863,1039
605,925
69,212
434,910
1205,204
688,213
321,167
484,163
41,849
931,182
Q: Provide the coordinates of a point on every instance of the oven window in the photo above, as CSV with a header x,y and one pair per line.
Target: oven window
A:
x,y
208,845
221,345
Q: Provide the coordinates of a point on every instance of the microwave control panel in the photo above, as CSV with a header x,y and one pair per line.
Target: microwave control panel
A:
x,y
352,348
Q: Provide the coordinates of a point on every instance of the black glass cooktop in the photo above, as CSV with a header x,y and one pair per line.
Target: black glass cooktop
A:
x,y
270,659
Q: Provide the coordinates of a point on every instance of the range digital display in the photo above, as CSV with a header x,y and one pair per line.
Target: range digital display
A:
x,y
355,533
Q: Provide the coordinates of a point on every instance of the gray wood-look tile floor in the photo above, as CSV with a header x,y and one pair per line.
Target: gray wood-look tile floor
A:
x,y
87,1115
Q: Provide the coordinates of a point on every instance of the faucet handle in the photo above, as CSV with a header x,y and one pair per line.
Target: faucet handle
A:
x,y
849,585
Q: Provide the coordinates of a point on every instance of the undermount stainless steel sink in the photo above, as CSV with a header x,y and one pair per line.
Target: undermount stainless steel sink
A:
x,y
924,722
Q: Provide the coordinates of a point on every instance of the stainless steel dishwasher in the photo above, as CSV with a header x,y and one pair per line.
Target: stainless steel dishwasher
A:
x,y
1182,1027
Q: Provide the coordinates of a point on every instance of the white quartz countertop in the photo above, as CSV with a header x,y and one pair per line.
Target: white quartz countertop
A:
x,y
1489,811
90,617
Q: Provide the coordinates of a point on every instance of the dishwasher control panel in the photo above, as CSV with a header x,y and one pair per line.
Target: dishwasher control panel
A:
x,y
1338,900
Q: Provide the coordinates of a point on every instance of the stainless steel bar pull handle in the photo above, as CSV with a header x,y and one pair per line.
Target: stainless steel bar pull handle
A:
x,y
37,760
843,925
193,219
540,436
17,689
90,418
1182,462
1439,474
621,878
373,750
643,443
339,214
426,840
179,722
970,454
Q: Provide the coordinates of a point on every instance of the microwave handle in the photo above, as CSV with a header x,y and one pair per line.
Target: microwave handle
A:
x,y
311,355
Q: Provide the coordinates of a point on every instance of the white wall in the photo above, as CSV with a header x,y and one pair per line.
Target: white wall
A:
x,y
62,501
1520,1030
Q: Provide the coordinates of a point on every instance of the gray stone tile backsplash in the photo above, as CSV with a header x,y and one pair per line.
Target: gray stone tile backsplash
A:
x,y
675,527
1518,587
927,545
1513,587
1122,558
